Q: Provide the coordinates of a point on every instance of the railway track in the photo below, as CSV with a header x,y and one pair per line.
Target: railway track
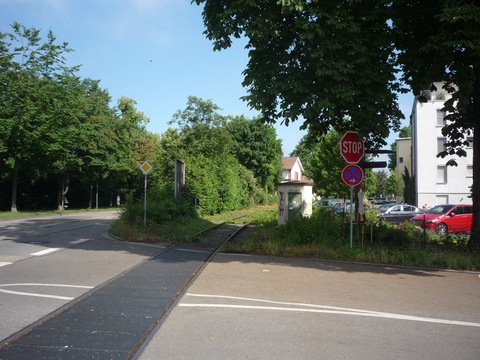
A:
x,y
116,319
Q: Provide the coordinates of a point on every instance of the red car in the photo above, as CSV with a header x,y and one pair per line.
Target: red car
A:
x,y
446,218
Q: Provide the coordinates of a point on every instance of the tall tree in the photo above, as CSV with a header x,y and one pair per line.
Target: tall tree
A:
x,y
27,86
382,183
203,127
257,148
409,193
320,61
214,176
327,60
393,186
326,167
446,49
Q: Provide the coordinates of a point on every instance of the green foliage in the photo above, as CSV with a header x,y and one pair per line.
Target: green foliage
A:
x,y
257,148
323,163
229,165
220,185
56,127
447,51
321,61
326,165
334,64
409,193
202,184
320,236
393,186
387,235
321,227
160,208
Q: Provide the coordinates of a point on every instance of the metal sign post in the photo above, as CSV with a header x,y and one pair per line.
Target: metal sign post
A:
x,y
352,148
146,168
352,175
351,217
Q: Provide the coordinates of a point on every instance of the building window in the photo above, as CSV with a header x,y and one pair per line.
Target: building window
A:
x,y
470,141
469,171
440,117
440,145
400,160
441,174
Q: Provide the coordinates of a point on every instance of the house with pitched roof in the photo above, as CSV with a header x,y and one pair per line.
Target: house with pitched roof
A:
x,y
292,169
294,192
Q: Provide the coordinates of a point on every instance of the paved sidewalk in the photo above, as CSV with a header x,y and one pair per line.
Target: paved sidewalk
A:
x,y
258,307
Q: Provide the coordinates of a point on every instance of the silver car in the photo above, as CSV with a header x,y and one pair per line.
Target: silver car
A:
x,y
398,213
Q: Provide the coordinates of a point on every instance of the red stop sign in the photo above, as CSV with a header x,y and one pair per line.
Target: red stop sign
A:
x,y
351,147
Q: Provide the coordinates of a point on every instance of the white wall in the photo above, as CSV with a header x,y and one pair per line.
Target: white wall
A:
x,y
307,198
290,174
425,132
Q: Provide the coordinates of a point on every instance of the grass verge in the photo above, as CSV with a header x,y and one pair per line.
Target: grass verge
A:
x,y
321,236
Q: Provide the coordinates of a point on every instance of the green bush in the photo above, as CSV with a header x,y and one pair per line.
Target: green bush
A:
x,y
390,235
221,184
320,227
161,207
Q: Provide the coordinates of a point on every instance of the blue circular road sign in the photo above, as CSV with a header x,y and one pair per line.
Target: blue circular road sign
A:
x,y
352,175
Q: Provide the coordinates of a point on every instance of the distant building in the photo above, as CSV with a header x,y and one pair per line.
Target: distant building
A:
x,y
294,192
435,182
292,169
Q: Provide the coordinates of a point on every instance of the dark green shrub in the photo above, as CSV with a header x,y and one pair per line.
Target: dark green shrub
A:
x,y
320,227
392,236
161,207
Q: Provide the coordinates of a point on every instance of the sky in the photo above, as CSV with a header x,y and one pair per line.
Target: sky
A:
x,y
152,51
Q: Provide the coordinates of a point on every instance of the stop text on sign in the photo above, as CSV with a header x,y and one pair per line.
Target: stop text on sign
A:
x,y
351,147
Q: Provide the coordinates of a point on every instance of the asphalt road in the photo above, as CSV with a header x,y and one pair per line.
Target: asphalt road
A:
x,y
47,261
247,307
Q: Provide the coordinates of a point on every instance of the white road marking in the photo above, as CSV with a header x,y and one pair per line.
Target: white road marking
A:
x,y
4,263
79,241
44,252
53,285
42,295
319,309
36,295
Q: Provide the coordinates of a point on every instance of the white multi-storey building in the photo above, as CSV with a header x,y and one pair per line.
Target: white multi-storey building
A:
x,y
435,182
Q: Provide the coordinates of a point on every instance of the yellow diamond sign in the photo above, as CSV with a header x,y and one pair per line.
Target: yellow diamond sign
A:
x,y
145,167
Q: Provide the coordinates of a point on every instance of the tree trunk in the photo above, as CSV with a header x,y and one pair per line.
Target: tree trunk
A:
x,y
474,241
59,192
63,184
90,197
13,207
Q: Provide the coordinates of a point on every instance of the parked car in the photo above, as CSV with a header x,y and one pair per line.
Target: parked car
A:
x,y
342,207
326,203
446,218
398,213
379,201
